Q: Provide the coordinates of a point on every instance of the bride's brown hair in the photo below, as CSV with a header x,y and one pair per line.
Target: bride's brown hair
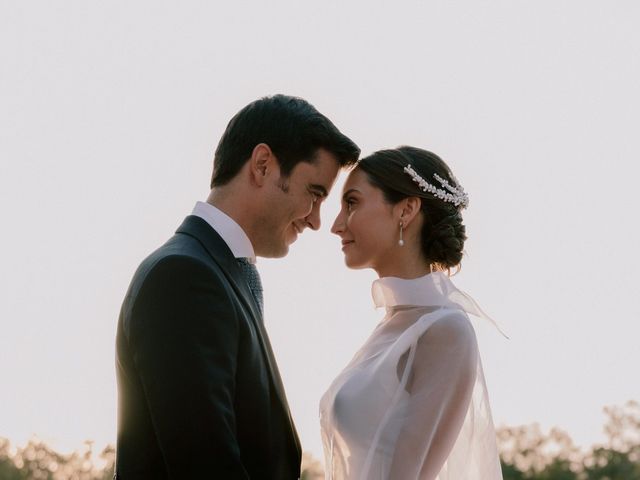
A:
x,y
443,232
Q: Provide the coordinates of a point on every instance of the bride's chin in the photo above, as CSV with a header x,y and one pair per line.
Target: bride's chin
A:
x,y
352,263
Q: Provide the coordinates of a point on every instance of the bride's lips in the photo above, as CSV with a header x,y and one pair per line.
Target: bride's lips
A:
x,y
345,243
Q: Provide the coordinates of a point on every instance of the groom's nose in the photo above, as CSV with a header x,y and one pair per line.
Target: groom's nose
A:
x,y
313,219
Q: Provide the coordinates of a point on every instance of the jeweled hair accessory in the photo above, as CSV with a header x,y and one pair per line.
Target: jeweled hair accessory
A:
x,y
447,193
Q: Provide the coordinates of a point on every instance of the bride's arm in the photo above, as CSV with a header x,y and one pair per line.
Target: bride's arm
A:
x,y
440,385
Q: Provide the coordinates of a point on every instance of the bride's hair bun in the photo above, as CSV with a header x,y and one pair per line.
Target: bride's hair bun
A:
x,y
443,232
443,243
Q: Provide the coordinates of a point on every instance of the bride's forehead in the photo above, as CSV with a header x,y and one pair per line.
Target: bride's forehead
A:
x,y
356,178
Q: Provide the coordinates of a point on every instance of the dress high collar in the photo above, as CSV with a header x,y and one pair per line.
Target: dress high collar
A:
x,y
422,291
432,290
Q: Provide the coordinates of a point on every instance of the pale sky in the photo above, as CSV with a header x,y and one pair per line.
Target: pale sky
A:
x,y
110,113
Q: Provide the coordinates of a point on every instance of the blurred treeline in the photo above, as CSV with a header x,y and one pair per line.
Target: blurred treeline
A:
x,y
36,460
526,452
529,454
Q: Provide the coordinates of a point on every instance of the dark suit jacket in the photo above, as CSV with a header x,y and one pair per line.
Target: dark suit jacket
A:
x,y
200,395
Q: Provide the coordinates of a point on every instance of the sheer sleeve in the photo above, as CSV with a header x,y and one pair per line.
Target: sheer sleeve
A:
x,y
439,374
413,402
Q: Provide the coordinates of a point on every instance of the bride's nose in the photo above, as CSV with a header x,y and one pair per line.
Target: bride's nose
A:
x,y
338,225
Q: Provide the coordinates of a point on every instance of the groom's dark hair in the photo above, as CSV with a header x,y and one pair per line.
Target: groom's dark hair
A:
x,y
293,129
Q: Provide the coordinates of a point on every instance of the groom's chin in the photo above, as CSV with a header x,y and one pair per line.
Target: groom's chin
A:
x,y
277,252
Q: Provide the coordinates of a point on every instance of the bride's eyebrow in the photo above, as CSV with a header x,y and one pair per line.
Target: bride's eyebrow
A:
x,y
349,192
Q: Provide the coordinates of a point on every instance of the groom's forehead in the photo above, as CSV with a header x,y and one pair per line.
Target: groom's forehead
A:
x,y
320,172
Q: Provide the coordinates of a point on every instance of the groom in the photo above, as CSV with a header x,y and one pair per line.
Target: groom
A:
x,y
200,395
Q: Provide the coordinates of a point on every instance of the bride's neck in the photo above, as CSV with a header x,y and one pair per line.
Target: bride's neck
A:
x,y
404,265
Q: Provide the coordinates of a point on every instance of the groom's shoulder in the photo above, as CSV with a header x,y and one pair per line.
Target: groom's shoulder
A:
x,y
182,258
167,278
181,253
170,269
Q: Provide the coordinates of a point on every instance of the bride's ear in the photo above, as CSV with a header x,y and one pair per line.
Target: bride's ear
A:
x,y
408,209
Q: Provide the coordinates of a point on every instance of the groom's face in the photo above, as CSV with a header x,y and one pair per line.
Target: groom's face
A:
x,y
294,202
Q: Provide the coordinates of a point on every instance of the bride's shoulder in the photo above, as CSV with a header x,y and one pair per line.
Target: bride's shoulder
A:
x,y
450,325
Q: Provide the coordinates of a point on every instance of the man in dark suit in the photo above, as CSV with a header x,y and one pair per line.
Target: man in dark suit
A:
x,y
200,395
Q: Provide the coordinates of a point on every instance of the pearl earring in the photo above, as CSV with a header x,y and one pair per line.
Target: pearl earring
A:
x,y
401,241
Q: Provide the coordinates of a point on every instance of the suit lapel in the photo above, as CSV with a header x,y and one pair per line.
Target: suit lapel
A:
x,y
217,248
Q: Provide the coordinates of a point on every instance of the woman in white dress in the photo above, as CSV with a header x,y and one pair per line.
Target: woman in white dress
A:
x,y
412,403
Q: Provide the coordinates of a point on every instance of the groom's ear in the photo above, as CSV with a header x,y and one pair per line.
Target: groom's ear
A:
x,y
261,163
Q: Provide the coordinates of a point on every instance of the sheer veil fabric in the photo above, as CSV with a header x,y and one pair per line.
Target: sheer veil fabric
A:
x,y
413,403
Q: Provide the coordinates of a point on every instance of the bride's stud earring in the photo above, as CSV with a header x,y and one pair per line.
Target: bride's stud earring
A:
x,y
401,241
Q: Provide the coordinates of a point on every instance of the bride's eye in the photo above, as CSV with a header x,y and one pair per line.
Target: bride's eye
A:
x,y
349,202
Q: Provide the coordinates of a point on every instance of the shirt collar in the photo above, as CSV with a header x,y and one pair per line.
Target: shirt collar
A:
x,y
232,233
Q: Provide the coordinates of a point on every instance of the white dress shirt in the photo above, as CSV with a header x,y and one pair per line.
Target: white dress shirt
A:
x,y
228,229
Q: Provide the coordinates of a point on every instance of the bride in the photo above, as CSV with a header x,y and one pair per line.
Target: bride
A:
x,y
412,403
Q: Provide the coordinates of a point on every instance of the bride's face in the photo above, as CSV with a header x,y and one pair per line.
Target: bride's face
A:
x,y
366,223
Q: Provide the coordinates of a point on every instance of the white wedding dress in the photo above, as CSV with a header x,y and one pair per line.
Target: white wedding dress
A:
x,y
412,403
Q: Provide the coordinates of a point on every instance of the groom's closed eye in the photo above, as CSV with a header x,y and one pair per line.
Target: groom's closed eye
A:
x,y
318,191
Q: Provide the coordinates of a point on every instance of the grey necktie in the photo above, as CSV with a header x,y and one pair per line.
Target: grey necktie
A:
x,y
252,277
